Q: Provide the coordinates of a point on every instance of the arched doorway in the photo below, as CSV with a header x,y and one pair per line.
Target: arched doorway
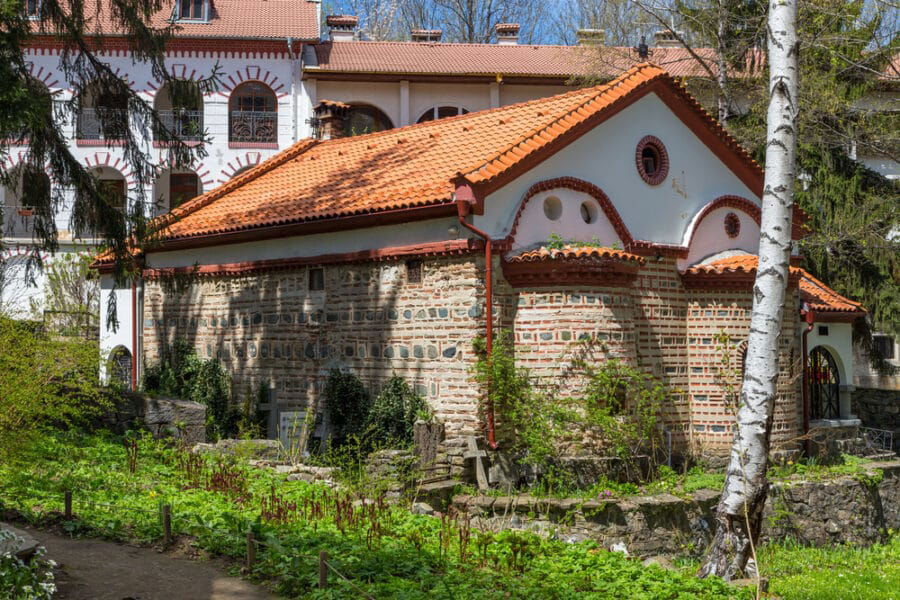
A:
x,y
174,187
119,367
27,192
824,382
361,119
102,113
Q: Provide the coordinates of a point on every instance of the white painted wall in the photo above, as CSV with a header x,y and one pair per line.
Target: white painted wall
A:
x,y
384,96
708,237
471,96
112,336
605,157
310,245
535,227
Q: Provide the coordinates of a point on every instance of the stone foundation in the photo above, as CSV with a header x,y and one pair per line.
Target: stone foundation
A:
x,y
842,510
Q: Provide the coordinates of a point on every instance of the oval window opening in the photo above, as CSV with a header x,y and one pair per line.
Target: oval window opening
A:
x,y
588,212
650,159
552,208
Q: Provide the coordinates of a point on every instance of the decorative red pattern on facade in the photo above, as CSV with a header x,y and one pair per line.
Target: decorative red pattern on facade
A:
x,y
732,225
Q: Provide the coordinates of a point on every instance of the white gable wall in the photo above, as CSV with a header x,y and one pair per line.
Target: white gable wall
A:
x,y
535,228
605,157
709,236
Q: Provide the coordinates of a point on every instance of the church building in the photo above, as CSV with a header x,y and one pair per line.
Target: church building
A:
x,y
621,213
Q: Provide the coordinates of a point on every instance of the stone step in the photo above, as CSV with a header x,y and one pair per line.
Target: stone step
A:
x,y
437,493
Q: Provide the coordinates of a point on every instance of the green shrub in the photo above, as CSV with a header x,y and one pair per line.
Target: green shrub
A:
x,y
347,403
45,383
394,412
182,374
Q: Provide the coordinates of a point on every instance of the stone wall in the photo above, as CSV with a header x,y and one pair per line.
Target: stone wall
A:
x,y
270,327
879,409
372,319
842,510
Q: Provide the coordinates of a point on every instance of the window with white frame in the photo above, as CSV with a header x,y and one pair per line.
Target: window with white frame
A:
x,y
441,112
193,10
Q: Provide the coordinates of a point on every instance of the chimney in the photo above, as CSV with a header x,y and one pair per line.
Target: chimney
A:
x,y
329,119
665,38
425,35
343,27
507,34
591,37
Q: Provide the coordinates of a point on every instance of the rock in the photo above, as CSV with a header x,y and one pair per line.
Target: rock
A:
x,y
619,547
164,417
832,527
421,508
250,449
16,541
660,561
286,469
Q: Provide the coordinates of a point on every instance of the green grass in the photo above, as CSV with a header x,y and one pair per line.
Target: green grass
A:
x,y
382,549
836,573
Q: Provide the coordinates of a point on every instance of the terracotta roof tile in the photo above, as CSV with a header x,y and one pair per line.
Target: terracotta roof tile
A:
x,y
234,19
813,292
509,60
822,298
414,166
570,252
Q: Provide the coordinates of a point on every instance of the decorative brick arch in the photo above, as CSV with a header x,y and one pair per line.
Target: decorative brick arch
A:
x,y
24,251
250,159
578,185
199,168
178,71
742,204
45,75
105,159
14,159
253,73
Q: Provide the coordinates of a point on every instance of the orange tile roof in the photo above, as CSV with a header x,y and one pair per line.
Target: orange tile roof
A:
x,y
414,166
570,252
741,264
816,294
822,298
230,19
562,62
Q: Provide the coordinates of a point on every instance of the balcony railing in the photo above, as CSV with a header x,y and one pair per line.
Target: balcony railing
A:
x,y
252,126
18,222
102,124
186,125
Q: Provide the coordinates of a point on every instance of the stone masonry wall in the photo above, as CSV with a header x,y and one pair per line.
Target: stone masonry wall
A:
x,y
370,319
842,510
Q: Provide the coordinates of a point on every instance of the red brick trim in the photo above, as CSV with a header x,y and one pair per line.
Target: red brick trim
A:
x,y
176,47
99,143
826,316
252,145
448,248
663,171
729,280
578,185
191,144
570,272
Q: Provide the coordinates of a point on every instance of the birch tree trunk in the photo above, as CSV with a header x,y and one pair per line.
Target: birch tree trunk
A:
x,y
739,513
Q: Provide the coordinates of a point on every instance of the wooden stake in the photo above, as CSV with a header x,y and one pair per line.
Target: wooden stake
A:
x,y
323,570
68,505
251,550
167,524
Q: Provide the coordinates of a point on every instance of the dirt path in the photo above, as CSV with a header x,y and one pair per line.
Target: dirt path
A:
x,y
98,570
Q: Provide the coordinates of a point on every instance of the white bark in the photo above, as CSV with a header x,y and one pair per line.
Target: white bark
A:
x,y
740,510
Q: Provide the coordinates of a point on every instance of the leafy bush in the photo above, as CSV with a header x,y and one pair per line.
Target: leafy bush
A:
x,y
182,374
613,414
394,412
44,383
347,402
25,581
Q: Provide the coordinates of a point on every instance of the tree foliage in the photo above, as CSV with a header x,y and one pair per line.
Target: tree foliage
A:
x,y
31,116
347,403
45,383
394,412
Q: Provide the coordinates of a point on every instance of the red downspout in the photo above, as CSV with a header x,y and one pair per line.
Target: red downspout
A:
x,y
810,318
465,199
134,322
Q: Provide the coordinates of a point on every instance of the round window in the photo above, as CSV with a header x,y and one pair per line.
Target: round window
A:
x,y
588,212
552,208
732,225
652,160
